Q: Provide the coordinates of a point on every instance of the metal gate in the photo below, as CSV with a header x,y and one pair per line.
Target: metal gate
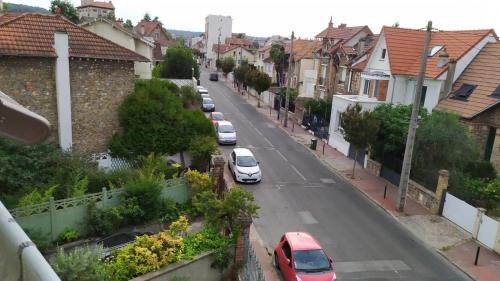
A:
x,y
360,157
251,270
390,175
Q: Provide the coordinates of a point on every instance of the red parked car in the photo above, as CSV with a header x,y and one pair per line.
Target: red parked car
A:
x,y
300,257
216,117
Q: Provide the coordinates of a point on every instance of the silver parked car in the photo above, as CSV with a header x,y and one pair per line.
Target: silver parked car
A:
x,y
208,105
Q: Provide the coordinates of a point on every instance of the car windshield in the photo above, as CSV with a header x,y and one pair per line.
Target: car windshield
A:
x,y
218,117
311,261
246,161
207,101
226,129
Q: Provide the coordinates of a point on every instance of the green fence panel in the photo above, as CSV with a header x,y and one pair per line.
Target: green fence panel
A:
x,y
51,218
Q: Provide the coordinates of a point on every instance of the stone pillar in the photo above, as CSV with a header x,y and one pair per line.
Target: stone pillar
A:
x,y
243,240
477,223
217,163
442,184
496,246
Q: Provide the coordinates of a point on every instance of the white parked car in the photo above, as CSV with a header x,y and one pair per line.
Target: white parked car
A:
x,y
205,96
226,134
200,88
203,91
244,166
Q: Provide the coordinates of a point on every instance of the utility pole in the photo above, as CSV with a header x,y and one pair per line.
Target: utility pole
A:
x,y
410,140
217,62
287,99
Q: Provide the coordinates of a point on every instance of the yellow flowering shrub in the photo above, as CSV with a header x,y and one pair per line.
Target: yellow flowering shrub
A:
x,y
198,181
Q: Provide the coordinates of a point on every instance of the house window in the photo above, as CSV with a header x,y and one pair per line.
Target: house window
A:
x,y
422,97
489,143
367,87
384,51
434,50
464,91
338,125
375,90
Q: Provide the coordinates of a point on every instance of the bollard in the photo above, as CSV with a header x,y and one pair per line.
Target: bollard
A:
x,y
293,126
385,191
477,254
324,143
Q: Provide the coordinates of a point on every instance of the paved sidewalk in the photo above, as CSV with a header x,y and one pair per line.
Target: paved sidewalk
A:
x,y
448,239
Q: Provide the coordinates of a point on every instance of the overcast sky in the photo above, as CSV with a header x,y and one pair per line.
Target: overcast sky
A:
x,y
309,17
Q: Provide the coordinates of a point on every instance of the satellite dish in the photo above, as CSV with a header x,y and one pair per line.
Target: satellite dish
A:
x,y
20,124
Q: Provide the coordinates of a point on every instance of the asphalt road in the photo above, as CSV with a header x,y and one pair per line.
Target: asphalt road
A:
x,y
298,193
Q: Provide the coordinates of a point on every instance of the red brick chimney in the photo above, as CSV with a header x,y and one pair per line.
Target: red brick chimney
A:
x,y
342,25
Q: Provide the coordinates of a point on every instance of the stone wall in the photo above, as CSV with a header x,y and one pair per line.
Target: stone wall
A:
x,y
198,268
97,90
355,82
31,82
373,167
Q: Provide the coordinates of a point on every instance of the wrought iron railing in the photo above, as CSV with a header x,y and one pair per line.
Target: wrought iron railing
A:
x,y
251,270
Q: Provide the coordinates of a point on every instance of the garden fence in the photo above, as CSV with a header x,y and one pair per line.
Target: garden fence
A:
x,y
251,270
53,217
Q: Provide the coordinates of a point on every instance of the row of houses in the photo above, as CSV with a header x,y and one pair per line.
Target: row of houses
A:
x,y
352,65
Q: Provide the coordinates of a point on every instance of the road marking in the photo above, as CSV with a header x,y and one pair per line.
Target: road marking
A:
x,y
373,265
307,218
298,173
327,180
270,143
270,125
312,186
282,156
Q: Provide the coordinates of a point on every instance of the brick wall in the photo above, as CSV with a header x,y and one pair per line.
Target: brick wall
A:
x,y
97,89
31,82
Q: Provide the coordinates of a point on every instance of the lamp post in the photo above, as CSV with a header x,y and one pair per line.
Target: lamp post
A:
x,y
217,63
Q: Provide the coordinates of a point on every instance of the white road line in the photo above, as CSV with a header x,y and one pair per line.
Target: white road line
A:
x,y
298,173
282,156
270,143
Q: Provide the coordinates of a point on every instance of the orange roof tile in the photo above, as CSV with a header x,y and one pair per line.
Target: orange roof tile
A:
x,y
238,41
303,49
404,48
483,71
32,34
342,32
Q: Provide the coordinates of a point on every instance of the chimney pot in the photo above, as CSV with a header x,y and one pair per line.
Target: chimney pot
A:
x,y
342,25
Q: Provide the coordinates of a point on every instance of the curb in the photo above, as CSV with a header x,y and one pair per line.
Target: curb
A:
x,y
455,264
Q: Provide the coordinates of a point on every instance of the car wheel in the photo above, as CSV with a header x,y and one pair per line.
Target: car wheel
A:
x,y
275,261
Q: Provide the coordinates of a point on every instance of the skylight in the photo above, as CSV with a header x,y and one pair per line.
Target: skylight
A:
x,y
496,92
435,49
464,91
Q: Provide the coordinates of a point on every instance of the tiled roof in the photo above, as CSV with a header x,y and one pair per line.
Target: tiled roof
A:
x,y
222,48
404,48
103,5
483,71
303,49
31,34
238,41
342,32
116,25
149,28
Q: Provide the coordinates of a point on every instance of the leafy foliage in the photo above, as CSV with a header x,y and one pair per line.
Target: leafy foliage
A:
x,y
178,63
483,193
35,197
260,81
103,222
67,9
157,70
319,107
147,17
277,53
144,194
128,24
198,181
69,235
241,72
190,98
80,264
39,238
442,142
222,258
205,240
227,65
201,150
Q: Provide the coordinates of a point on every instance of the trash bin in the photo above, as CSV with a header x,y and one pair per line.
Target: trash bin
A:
x,y
314,143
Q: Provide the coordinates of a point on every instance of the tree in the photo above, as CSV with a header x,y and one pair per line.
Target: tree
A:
x,y
179,63
227,65
277,53
442,142
128,24
201,149
359,128
148,118
156,18
261,82
240,73
147,17
67,9
190,97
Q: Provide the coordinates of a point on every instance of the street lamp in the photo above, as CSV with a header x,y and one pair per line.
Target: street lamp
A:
x,y
217,63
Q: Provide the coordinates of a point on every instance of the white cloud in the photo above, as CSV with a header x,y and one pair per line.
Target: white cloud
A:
x,y
307,18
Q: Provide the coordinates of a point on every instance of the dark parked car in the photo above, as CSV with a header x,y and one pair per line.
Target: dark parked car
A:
x,y
208,105
214,76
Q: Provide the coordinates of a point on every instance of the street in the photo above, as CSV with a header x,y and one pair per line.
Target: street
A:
x,y
298,193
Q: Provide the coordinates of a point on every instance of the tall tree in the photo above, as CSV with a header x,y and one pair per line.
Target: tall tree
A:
x,y
179,63
240,73
147,17
66,8
260,82
277,53
359,128
227,65
128,24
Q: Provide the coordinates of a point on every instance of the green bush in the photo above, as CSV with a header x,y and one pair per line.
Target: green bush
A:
x,y
35,197
69,235
109,179
80,264
103,222
146,194
170,210
205,240
222,258
480,170
202,149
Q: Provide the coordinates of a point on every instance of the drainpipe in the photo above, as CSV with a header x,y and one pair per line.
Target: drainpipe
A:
x,y
448,83
63,90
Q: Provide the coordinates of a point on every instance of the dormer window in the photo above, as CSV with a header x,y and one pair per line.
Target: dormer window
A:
x,y
434,50
384,52
464,91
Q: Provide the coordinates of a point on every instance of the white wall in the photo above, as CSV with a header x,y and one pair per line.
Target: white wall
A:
x,y
307,88
354,40
212,23
375,63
